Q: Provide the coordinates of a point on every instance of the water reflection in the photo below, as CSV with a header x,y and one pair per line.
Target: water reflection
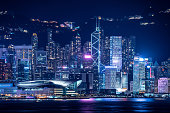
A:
x,y
90,105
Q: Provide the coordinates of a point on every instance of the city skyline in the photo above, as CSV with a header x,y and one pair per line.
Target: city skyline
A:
x,y
140,22
84,56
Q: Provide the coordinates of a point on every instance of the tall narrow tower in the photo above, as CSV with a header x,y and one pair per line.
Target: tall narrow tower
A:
x,y
95,45
51,52
96,57
34,49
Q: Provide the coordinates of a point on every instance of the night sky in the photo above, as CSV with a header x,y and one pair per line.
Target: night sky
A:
x,y
152,40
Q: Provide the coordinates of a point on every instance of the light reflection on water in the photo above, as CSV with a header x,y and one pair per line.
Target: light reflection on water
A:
x,y
119,99
90,105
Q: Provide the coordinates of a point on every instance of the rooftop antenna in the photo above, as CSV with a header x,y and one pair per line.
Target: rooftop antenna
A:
x,y
98,23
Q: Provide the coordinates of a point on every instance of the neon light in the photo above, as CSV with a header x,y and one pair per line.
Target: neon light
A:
x,y
87,56
110,66
150,73
64,67
148,66
141,59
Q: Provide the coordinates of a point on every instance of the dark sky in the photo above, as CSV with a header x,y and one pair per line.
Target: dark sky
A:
x,y
80,8
152,41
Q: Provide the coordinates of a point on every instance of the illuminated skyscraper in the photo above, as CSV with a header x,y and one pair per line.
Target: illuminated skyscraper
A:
x,y
5,70
51,53
128,53
34,49
149,76
87,48
41,65
105,57
96,56
124,80
87,58
75,52
77,49
116,57
23,62
139,75
116,52
110,77
163,85
95,46
66,56
57,55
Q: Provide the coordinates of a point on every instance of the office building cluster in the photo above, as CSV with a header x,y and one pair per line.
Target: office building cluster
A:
x,y
105,65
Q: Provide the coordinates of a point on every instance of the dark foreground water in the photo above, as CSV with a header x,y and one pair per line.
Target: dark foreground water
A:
x,y
91,105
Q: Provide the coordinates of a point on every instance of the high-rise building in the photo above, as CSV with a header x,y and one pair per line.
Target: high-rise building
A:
x,y
124,80
116,52
110,77
163,85
96,46
87,58
51,53
149,77
105,57
41,65
139,75
5,70
23,70
164,69
11,59
66,55
87,48
157,70
96,54
76,53
6,57
58,57
34,49
116,57
23,57
128,53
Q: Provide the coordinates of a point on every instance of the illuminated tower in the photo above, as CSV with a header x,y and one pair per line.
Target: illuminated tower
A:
x,y
77,50
51,53
95,45
139,75
23,62
116,52
34,49
98,67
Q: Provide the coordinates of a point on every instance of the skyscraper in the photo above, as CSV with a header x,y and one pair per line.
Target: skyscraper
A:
x,y
77,50
139,75
87,58
116,57
105,57
95,45
128,53
116,52
96,55
87,48
5,70
163,85
23,58
34,49
41,65
51,53
110,77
